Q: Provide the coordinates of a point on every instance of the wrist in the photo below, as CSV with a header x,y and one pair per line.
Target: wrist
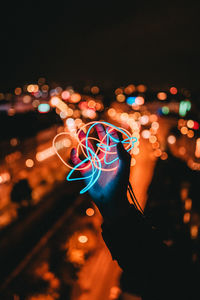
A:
x,y
118,212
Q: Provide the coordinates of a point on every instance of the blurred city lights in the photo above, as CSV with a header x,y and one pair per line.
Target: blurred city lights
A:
x,y
190,123
171,139
111,112
91,104
118,91
173,90
65,95
10,158
139,100
157,152
83,239
27,99
14,142
29,163
141,88
188,204
190,133
194,230
120,97
95,90
156,145
165,110
70,123
48,152
129,89
35,103
2,96
89,211
69,112
162,96
133,161
45,88
133,107
43,107
32,88
184,107
153,118
54,101
41,80
186,217
66,143
135,151
152,139
197,149
42,155
75,98
18,91
130,100
124,117
164,156
184,130
144,119
182,150
155,125
196,125
63,114
4,177
115,292
146,134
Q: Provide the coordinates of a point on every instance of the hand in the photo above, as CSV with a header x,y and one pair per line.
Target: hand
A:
x,y
110,190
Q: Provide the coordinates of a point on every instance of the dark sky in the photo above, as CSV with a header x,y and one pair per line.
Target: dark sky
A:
x,y
151,42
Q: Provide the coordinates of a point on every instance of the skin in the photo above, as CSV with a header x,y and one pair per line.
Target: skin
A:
x,y
109,193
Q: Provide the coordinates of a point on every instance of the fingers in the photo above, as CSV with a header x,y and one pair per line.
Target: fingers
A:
x,y
74,157
100,131
82,137
102,137
83,167
114,138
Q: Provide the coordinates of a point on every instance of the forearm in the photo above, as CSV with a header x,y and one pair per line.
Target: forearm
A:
x,y
140,252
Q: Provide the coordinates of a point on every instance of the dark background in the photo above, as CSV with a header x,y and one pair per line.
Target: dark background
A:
x,y
113,43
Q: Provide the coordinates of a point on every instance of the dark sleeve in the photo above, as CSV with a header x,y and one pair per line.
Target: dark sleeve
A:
x,y
146,261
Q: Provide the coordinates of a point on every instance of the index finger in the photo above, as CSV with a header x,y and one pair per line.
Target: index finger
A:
x,y
100,131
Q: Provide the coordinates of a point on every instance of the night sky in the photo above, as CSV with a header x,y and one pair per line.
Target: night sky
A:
x,y
150,42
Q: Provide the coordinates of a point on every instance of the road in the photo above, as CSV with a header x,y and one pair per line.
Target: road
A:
x,y
141,173
42,176
97,277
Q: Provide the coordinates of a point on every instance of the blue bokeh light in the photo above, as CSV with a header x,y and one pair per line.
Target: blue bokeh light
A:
x,y
130,100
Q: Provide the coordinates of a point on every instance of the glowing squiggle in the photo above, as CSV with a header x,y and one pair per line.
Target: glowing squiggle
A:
x,y
91,167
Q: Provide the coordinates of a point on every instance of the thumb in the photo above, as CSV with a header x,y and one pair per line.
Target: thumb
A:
x,y
122,153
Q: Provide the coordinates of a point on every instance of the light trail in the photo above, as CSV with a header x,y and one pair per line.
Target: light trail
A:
x,y
96,161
